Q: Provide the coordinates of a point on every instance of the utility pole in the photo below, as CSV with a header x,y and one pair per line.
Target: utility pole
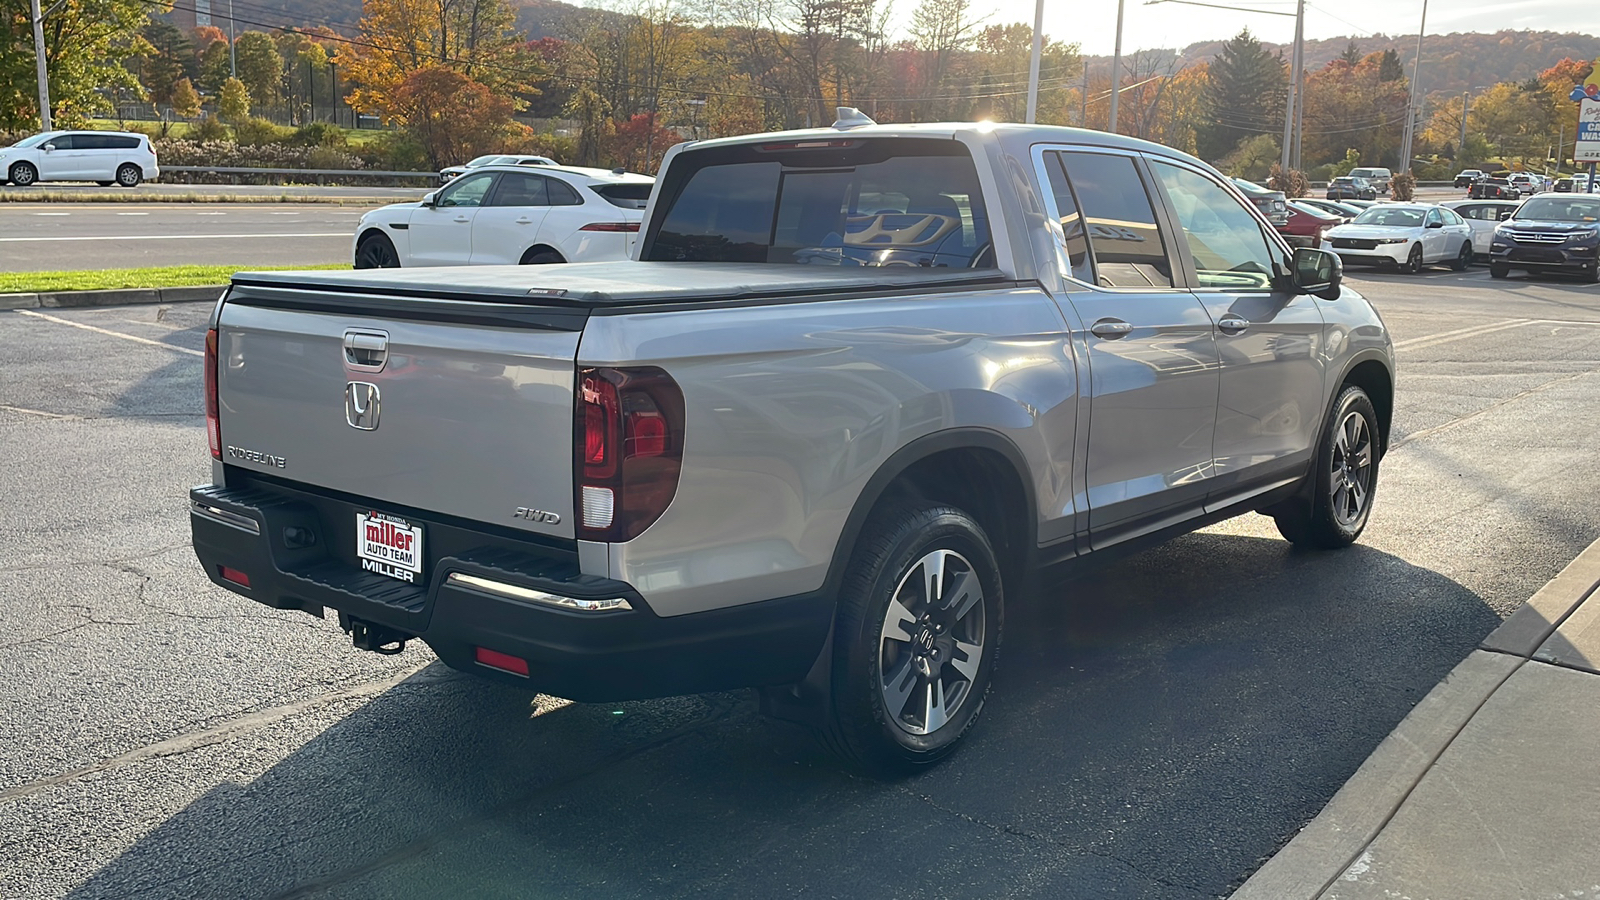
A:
x,y
1411,102
1286,158
1116,72
39,65
1083,95
1033,61
1299,84
1462,147
233,58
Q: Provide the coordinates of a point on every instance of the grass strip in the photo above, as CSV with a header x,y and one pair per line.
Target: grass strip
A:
x,y
106,279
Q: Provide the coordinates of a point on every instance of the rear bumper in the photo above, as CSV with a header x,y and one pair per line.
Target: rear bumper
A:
x,y
590,656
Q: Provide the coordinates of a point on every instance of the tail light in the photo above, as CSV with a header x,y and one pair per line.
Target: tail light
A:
x,y
626,227
629,449
213,423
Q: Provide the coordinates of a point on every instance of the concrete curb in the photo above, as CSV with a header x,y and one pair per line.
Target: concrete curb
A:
x,y
1328,845
123,297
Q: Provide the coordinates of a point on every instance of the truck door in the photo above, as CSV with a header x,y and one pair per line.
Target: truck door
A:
x,y
1152,355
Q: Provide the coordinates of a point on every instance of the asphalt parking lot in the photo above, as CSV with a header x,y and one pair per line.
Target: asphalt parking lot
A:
x,y
1156,730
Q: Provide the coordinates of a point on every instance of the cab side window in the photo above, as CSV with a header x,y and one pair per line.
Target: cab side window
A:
x,y
1124,240
468,191
1072,226
1434,218
1227,245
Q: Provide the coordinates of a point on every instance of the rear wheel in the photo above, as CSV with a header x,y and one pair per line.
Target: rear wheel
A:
x,y
1413,263
376,251
1464,258
105,183
23,174
541,258
919,624
1335,510
129,175
1496,270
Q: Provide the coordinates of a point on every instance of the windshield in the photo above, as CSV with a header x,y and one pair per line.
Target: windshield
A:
x,y
36,140
1389,215
484,160
888,202
1556,210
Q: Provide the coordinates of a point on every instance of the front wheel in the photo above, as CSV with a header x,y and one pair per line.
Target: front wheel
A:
x,y
129,175
1497,270
1413,263
376,251
1335,511
1464,258
918,628
23,174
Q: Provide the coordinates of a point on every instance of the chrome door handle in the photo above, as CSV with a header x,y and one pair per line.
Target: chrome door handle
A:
x,y
462,219
1110,329
1232,324
524,221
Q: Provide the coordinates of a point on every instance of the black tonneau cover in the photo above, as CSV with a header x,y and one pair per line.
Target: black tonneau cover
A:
x,y
606,284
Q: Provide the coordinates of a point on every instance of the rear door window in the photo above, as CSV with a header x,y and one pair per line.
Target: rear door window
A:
x,y
1127,244
517,189
850,202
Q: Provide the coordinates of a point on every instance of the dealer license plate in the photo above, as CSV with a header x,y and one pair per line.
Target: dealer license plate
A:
x,y
389,545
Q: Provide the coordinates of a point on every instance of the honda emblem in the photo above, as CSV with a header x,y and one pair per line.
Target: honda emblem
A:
x,y
361,405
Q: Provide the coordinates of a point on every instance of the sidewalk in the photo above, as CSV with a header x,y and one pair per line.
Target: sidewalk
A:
x,y
1489,789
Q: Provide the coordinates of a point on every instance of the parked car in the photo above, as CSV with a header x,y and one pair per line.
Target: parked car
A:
x,y
1273,204
508,215
1526,184
1466,177
1550,234
1360,205
1376,176
494,159
1483,217
1347,187
1342,210
1492,188
1406,236
1307,225
1563,185
713,467
104,157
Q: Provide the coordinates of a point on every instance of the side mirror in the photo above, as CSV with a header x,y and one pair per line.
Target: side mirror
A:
x,y
1435,224
430,199
48,148
1318,272
1504,216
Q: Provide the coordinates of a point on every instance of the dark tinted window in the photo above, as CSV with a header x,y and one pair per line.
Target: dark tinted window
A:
x,y
118,142
89,142
517,189
627,196
62,142
1128,247
562,194
886,202
1071,220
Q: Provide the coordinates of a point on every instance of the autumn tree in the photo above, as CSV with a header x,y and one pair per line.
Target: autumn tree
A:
x,y
400,38
233,103
169,59
185,99
452,116
640,142
86,43
214,66
260,67
1353,108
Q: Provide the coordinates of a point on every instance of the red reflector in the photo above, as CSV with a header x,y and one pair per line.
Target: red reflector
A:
x,y
213,421
235,576
629,227
505,662
647,435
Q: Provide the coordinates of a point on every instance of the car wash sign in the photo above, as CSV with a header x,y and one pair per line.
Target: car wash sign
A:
x,y
1588,149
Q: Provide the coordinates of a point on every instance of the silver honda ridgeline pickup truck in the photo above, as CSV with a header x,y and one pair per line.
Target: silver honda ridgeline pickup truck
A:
x,y
858,384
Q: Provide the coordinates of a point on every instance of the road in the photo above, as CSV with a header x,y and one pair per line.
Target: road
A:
x,y
48,236
264,191
1156,730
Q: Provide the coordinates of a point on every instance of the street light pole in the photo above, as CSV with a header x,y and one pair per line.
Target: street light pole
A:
x,y
1287,156
1033,61
1461,149
1116,72
233,58
1411,102
39,66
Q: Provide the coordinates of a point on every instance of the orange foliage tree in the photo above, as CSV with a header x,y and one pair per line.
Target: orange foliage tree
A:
x,y
454,117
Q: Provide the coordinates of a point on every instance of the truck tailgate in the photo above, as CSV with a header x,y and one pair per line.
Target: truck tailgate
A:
x,y
409,402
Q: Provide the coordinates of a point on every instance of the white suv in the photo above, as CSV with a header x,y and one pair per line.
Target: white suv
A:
x,y
105,157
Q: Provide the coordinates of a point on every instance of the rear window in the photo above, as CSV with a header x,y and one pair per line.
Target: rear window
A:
x,y
627,196
851,202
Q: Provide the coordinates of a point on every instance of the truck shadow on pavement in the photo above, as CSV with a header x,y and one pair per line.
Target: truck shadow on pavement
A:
x,y
1155,730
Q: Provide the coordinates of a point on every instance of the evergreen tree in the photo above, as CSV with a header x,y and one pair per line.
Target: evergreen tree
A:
x,y
1351,54
1245,96
1389,68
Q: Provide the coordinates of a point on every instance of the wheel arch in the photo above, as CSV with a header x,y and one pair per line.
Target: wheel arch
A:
x,y
1372,374
975,469
540,248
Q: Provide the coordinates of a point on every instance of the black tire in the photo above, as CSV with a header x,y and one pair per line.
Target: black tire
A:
x,y
1413,263
887,578
1464,258
541,258
23,174
129,175
376,251
1591,275
105,183
1322,517
1497,270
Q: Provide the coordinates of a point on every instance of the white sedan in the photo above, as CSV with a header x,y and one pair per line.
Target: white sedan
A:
x,y
1405,235
1483,217
507,215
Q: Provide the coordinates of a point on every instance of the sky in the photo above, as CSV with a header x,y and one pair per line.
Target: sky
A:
x,y
1093,23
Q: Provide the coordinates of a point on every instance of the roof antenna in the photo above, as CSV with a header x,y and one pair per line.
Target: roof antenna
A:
x,y
849,117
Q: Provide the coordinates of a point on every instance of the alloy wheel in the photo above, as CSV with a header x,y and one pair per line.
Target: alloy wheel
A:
x,y
1350,481
931,643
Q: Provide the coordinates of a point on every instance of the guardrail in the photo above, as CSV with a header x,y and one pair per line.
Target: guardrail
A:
x,y
298,175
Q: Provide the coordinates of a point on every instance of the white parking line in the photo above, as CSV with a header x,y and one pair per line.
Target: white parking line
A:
x,y
286,214
1469,331
134,214
210,214
52,214
108,332
175,237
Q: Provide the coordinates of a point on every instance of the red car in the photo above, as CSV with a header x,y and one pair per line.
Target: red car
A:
x,y
1306,225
